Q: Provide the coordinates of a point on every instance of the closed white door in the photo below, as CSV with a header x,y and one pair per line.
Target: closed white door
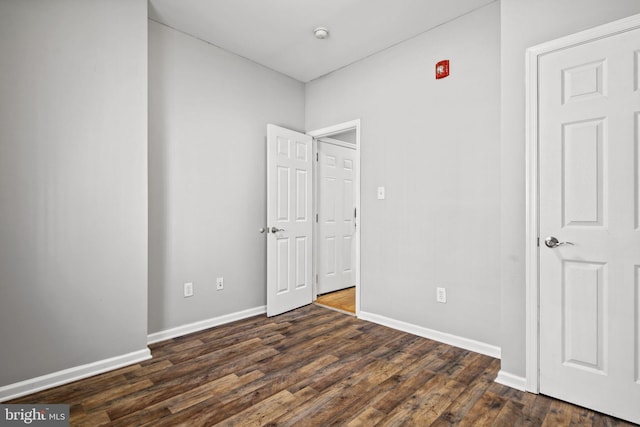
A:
x,y
589,121
336,216
289,220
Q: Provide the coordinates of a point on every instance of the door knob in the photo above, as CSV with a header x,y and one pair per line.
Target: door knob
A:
x,y
276,229
262,229
552,242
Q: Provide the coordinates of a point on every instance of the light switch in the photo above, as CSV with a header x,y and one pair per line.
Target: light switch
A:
x,y
380,193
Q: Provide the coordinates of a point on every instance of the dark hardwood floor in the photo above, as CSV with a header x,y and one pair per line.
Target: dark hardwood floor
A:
x,y
309,367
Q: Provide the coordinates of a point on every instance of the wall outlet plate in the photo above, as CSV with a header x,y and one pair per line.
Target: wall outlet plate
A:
x,y
441,295
188,289
219,283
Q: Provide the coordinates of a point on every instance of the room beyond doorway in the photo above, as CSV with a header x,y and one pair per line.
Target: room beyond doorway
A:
x,y
343,301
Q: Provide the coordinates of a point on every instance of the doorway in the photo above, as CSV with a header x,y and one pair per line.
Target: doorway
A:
x,y
292,227
583,250
337,207
336,221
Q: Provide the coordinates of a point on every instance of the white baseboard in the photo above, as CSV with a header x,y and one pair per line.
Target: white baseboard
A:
x,y
65,376
454,340
204,324
513,381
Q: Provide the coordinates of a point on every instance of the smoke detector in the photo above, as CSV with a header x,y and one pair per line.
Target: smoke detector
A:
x,y
321,33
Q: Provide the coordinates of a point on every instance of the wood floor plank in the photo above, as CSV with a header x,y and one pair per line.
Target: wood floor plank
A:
x,y
308,367
92,419
114,393
534,410
192,397
485,411
437,403
418,404
148,369
355,397
249,394
601,420
184,381
259,414
329,399
509,415
581,417
460,407
368,417
401,390
559,414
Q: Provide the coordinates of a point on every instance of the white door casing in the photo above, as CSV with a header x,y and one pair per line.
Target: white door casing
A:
x,y
584,188
289,209
337,223
328,132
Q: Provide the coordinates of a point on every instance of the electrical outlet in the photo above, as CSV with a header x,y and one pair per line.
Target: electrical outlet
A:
x,y
220,283
441,295
188,289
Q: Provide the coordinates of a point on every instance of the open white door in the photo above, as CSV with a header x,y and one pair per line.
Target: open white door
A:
x,y
589,255
289,220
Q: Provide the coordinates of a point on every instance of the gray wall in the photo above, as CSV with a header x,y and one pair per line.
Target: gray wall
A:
x,y
208,111
526,23
435,146
73,183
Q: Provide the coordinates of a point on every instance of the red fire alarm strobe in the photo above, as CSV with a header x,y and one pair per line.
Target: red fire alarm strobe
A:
x,y
442,69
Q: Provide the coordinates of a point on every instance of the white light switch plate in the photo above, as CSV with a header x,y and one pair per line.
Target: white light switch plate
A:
x,y
188,289
380,193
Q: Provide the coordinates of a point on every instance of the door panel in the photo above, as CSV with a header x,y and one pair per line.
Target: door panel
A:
x,y
583,311
636,194
336,222
282,193
588,169
289,230
282,257
584,82
302,198
303,269
637,310
583,173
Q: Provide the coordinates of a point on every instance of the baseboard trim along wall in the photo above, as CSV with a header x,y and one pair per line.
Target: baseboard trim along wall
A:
x,y
76,373
513,381
204,324
454,340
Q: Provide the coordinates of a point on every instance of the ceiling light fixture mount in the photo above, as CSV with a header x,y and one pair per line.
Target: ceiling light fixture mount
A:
x,y
321,33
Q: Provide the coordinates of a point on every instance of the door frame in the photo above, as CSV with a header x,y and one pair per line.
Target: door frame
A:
x,y
532,260
328,132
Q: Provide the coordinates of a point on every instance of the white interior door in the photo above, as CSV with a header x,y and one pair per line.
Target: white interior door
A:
x,y
336,216
289,220
589,121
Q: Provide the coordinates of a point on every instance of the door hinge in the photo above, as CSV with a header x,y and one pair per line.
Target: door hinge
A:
x,y
316,217
317,158
316,279
355,213
538,242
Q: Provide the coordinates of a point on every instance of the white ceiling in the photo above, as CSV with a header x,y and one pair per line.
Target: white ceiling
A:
x,y
279,33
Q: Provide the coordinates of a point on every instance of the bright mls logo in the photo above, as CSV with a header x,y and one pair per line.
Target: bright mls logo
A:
x,y
35,415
